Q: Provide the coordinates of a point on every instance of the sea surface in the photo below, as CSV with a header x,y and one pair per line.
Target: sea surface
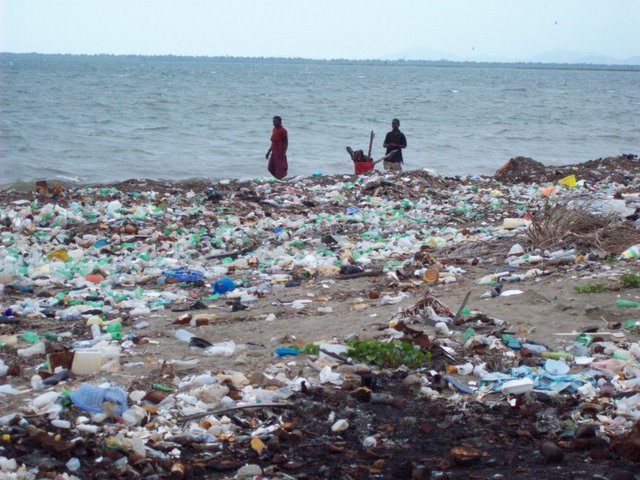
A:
x,y
91,119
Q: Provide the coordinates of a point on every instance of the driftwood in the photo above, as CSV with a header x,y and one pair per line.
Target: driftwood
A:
x,y
337,356
561,227
195,416
459,312
369,273
233,255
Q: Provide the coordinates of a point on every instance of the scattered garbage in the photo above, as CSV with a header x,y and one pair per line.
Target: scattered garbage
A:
x,y
123,309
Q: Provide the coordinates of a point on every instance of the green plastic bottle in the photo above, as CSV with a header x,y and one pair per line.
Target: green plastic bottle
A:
x,y
114,327
627,304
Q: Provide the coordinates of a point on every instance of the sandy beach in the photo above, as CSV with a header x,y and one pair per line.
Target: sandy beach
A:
x,y
323,260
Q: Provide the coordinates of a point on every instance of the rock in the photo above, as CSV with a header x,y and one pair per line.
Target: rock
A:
x,y
466,454
622,475
340,426
249,470
551,452
587,430
411,384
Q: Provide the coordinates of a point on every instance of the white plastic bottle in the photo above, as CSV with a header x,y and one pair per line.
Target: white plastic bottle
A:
x,y
35,349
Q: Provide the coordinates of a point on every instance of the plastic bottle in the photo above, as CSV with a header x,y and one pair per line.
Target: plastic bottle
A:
x,y
535,348
184,335
45,399
56,377
35,349
631,253
627,304
557,355
114,327
52,336
95,331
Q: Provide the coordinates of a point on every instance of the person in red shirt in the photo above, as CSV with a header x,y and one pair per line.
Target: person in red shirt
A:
x,y
277,153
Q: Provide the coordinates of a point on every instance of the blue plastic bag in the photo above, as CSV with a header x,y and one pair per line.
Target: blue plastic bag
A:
x,y
224,285
184,274
91,397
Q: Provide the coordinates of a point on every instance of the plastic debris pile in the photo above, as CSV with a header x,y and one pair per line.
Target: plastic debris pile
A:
x,y
87,274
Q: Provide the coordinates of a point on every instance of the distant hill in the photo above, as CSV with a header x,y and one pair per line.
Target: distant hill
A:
x,y
551,56
568,56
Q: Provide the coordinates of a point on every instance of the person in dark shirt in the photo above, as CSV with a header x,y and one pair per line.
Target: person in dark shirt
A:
x,y
395,140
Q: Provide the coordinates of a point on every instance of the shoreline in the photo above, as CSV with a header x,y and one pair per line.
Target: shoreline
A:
x,y
525,171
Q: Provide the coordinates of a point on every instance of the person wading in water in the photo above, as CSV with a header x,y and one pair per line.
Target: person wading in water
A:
x,y
395,140
277,153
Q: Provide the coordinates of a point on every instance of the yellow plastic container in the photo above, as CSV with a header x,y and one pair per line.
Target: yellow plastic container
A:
x,y
569,181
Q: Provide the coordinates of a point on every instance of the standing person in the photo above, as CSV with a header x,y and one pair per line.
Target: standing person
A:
x,y
395,140
277,153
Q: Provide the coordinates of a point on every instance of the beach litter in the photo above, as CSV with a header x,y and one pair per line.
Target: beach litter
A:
x,y
142,327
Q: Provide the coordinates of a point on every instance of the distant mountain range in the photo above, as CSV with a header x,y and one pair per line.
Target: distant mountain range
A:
x,y
551,56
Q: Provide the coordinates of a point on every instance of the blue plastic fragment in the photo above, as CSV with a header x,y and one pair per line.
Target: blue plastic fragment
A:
x,y
514,343
352,210
184,274
281,352
461,387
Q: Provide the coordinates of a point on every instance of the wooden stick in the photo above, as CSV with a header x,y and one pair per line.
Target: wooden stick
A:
x,y
371,135
388,155
459,312
336,356
571,334
367,273
195,416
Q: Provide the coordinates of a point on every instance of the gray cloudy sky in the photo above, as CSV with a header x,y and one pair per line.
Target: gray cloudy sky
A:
x,y
358,29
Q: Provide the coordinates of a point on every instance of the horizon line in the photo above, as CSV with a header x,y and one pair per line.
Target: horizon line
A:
x,y
335,59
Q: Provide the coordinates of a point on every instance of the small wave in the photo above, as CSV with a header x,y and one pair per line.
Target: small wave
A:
x,y
453,90
27,186
151,129
68,178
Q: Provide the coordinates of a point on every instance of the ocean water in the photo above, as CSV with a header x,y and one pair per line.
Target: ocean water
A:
x,y
94,119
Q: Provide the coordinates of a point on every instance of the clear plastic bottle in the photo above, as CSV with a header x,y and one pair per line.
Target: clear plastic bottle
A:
x,y
35,349
184,335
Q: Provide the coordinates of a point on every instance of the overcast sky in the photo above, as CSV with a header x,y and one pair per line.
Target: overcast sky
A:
x,y
357,29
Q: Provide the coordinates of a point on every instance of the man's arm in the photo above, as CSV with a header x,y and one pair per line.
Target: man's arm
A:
x,y
404,142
